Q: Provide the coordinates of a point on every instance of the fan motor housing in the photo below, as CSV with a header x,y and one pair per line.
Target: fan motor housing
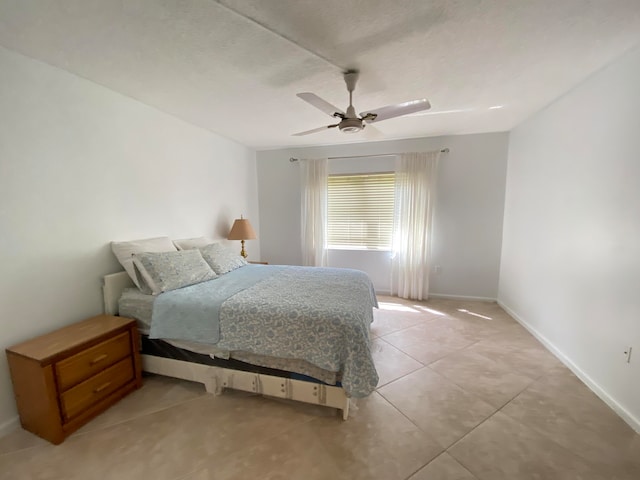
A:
x,y
351,125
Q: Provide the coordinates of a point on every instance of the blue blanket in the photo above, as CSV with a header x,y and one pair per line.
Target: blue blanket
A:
x,y
321,315
193,312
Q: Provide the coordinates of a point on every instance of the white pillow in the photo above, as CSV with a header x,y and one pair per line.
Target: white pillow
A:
x,y
124,251
192,243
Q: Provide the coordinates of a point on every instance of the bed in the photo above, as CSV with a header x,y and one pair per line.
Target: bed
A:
x,y
300,333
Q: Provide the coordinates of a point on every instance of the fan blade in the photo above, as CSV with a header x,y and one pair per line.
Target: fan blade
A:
x,y
315,130
440,112
319,103
370,132
392,111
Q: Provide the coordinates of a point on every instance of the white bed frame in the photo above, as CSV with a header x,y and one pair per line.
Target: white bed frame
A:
x,y
216,379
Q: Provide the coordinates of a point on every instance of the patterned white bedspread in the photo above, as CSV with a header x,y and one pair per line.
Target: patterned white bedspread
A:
x,y
321,315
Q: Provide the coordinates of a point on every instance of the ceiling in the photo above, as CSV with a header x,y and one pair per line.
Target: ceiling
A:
x,y
234,66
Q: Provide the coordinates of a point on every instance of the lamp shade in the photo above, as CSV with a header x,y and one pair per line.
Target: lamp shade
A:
x,y
242,230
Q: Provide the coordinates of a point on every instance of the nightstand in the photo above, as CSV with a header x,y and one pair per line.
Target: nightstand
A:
x,y
260,263
63,379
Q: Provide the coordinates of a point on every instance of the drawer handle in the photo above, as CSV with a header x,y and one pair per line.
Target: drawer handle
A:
x,y
101,387
98,359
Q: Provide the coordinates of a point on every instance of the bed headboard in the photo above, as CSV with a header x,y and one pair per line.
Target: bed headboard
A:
x,y
113,285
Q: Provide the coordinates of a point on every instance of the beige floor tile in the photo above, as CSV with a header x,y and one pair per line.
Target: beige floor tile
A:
x,y
486,310
440,408
158,393
395,316
432,340
503,449
296,454
532,360
376,442
565,393
483,318
565,410
19,439
515,335
483,377
559,369
422,306
443,328
390,362
161,445
444,467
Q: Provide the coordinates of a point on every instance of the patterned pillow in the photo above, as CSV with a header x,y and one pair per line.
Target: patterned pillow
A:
x,y
161,272
221,259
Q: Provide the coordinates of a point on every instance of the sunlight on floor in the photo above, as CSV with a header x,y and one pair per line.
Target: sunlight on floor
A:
x,y
474,314
396,307
430,310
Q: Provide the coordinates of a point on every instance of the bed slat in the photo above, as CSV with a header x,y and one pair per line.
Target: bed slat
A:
x,y
216,379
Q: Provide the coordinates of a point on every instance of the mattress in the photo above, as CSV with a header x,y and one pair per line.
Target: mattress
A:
x,y
139,306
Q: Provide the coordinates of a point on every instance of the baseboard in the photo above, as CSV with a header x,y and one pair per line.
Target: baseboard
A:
x,y
443,295
9,426
461,297
586,379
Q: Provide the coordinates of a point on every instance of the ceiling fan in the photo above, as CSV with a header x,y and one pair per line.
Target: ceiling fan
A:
x,y
349,121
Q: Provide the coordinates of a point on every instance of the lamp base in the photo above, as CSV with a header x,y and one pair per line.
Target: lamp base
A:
x,y
243,252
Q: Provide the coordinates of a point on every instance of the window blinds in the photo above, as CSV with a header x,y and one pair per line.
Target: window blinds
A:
x,y
360,210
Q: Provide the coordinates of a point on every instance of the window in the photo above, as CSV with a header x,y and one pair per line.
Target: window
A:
x,y
360,210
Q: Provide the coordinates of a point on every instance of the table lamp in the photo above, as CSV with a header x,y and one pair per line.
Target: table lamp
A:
x,y
242,230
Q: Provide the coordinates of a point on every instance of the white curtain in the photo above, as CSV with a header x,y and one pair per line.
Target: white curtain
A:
x,y
314,211
414,197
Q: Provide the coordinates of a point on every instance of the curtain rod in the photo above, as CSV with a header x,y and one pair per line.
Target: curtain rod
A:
x,y
293,159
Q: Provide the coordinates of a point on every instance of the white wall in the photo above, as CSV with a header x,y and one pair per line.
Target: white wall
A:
x,y
80,166
570,266
467,216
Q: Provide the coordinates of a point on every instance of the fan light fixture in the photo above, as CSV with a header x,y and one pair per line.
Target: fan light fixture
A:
x,y
351,125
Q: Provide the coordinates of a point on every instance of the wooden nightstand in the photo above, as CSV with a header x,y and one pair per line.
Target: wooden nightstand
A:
x,y
63,379
259,263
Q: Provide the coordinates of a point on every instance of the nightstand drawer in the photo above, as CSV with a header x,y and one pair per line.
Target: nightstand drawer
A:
x,y
81,366
89,392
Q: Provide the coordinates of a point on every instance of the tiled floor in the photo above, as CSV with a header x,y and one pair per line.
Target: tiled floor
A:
x,y
465,393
